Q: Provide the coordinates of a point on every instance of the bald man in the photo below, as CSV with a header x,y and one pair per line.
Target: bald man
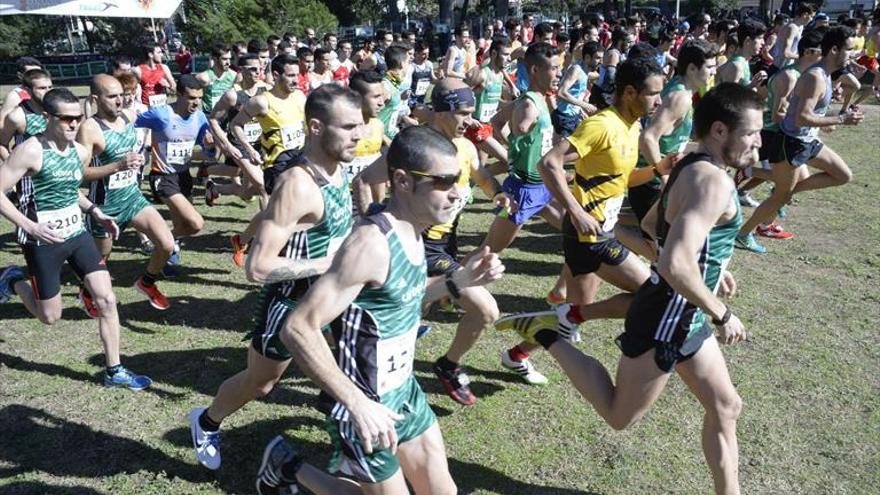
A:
x,y
117,158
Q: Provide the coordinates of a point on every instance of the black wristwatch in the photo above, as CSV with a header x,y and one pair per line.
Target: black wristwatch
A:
x,y
91,209
452,287
724,319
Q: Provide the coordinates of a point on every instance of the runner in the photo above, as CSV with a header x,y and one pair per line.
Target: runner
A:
x,y
422,74
111,139
175,130
602,92
807,105
280,113
750,39
51,231
20,93
380,420
785,51
457,53
219,78
308,217
397,60
368,84
306,67
488,83
573,106
28,119
155,77
696,220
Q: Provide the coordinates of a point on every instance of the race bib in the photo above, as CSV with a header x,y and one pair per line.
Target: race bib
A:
x,y
612,211
392,122
64,222
252,132
141,140
122,179
158,100
487,111
394,360
293,136
335,243
422,87
546,140
179,153
359,163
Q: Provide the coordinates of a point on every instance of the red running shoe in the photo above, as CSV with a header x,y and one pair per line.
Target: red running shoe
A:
x,y
156,298
774,231
456,384
85,297
239,249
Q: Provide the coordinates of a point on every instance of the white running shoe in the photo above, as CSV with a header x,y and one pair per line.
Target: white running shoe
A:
x,y
567,329
523,368
205,443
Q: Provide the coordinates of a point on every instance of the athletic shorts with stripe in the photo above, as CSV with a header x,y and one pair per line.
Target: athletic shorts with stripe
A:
x,y
661,319
44,263
349,457
269,319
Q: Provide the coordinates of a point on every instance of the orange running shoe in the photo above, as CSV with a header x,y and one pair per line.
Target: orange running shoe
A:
x,y
156,298
239,249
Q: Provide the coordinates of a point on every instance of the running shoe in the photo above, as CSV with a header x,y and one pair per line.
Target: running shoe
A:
x,y
175,254
422,331
88,302
206,443
269,478
125,378
528,324
524,369
774,231
211,193
554,299
147,247
8,277
456,382
156,298
749,243
239,250
781,213
746,199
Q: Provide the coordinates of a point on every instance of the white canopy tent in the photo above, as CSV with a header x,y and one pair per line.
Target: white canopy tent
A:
x,y
155,9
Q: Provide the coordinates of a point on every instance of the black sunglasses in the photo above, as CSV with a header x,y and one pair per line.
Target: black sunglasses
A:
x,y
69,119
439,181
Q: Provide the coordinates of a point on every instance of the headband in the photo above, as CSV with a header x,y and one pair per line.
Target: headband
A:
x,y
453,100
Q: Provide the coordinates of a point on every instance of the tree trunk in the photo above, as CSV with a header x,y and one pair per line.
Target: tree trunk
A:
x,y
393,12
502,7
446,12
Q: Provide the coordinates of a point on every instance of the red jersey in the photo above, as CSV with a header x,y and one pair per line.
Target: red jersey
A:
x,y
151,80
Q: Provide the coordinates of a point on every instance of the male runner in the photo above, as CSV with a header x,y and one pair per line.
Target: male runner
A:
x,y
280,113
308,217
750,36
111,139
573,107
155,77
51,230
29,118
20,93
667,326
383,430
807,105
785,51
175,130
456,55
397,60
219,78
453,103
488,82
369,85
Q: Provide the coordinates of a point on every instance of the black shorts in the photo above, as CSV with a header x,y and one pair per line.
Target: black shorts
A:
x,y
167,185
586,257
642,198
840,73
283,162
440,255
666,354
44,263
771,146
799,152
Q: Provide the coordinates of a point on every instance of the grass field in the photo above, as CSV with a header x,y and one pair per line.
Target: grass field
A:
x,y
808,376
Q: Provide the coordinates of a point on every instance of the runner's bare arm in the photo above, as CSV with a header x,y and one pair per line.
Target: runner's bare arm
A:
x,y
257,106
218,114
169,78
25,159
672,110
13,124
375,173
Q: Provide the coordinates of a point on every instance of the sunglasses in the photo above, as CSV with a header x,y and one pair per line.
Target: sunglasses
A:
x,y
69,119
440,182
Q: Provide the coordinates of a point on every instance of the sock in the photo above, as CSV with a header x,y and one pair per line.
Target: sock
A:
x,y
517,354
149,280
208,424
289,470
574,314
112,370
446,364
547,337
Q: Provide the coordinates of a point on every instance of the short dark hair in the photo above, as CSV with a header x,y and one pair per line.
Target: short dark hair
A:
x,y
696,52
188,81
395,57
320,52
498,43
319,104
422,45
562,38
725,103
618,34
591,48
256,45
416,147
539,53
327,36
30,77
149,48
836,38
56,97
750,28
640,50
218,49
543,29
811,38
634,72
804,8
247,57
119,60
23,62
361,80
272,38
304,52
281,60
460,29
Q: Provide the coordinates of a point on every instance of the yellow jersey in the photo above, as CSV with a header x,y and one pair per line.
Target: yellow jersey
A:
x,y
468,160
368,149
608,149
283,126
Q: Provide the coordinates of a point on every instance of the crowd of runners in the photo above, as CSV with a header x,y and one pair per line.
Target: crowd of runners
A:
x,y
639,143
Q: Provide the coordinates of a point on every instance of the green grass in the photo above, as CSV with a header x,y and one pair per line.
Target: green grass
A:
x,y
808,376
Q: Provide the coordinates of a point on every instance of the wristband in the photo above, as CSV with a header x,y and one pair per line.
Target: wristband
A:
x,y
91,209
724,318
452,287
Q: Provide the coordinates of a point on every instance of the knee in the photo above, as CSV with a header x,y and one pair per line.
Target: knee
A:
x,y
193,225
50,317
844,175
727,408
620,423
106,302
485,306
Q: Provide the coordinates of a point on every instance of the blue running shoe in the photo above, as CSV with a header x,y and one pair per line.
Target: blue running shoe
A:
x,y
423,330
270,479
174,260
749,243
205,443
781,213
125,378
8,277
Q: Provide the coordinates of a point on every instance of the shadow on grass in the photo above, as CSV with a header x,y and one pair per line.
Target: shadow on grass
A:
x,y
34,440
34,487
195,313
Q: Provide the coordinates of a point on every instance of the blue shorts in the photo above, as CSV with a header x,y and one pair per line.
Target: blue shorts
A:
x,y
563,123
530,198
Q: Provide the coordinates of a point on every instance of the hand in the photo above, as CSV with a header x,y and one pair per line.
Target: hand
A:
x,y
107,221
256,159
44,233
375,425
666,164
728,285
234,153
588,110
480,268
583,222
758,78
503,200
828,128
731,332
132,160
857,70
854,117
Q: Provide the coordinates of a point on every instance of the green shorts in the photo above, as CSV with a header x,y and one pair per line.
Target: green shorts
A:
x,y
123,214
272,311
349,457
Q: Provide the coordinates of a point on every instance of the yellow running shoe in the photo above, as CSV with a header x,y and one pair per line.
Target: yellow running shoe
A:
x,y
528,324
